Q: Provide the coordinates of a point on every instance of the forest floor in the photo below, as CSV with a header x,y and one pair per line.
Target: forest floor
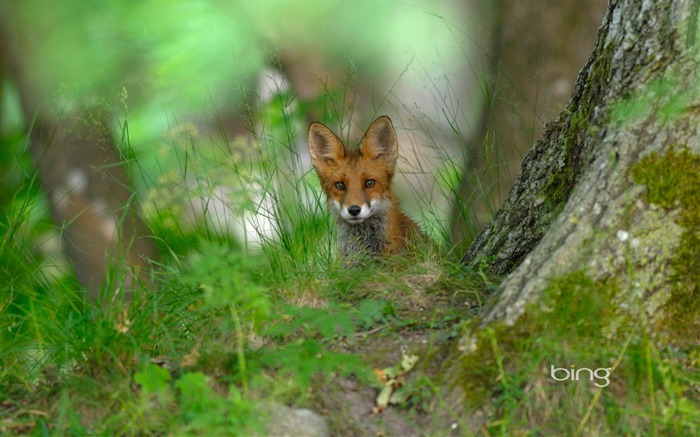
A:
x,y
224,336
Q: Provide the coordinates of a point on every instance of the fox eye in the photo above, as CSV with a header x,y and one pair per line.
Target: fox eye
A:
x,y
369,183
340,186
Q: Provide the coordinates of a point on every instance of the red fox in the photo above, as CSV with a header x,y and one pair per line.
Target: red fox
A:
x,y
357,183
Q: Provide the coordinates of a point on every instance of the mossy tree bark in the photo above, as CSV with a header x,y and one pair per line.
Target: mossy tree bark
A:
x,y
607,196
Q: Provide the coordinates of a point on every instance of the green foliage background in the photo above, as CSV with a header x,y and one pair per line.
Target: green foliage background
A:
x,y
226,322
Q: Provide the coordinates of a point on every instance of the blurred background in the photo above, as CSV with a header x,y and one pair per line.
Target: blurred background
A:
x,y
133,130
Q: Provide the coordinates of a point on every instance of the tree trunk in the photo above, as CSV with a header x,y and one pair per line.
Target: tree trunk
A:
x,y
84,176
534,71
605,212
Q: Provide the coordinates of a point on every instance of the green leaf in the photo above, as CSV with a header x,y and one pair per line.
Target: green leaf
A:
x,y
153,379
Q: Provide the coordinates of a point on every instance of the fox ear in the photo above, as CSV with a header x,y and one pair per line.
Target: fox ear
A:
x,y
380,141
324,145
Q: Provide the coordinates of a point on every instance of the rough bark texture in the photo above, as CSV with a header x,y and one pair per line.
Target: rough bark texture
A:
x,y
587,198
619,67
644,56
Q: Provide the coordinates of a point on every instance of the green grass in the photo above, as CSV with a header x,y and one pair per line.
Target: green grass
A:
x,y
227,324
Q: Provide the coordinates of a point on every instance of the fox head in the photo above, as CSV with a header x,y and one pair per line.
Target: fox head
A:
x,y
357,181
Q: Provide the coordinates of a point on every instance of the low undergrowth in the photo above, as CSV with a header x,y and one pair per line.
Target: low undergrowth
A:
x,y
220,339
228,324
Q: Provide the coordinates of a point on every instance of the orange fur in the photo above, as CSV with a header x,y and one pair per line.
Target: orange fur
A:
x,y
358,186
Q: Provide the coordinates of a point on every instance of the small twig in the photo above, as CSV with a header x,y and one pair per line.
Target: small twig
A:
x,y
371,331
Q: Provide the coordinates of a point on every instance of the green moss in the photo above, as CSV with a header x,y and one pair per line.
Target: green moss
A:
x,y
672,180
668,97
576,324
561,182
558,187
568,325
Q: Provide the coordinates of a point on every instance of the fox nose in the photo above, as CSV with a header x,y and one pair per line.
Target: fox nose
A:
x,y
354,210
